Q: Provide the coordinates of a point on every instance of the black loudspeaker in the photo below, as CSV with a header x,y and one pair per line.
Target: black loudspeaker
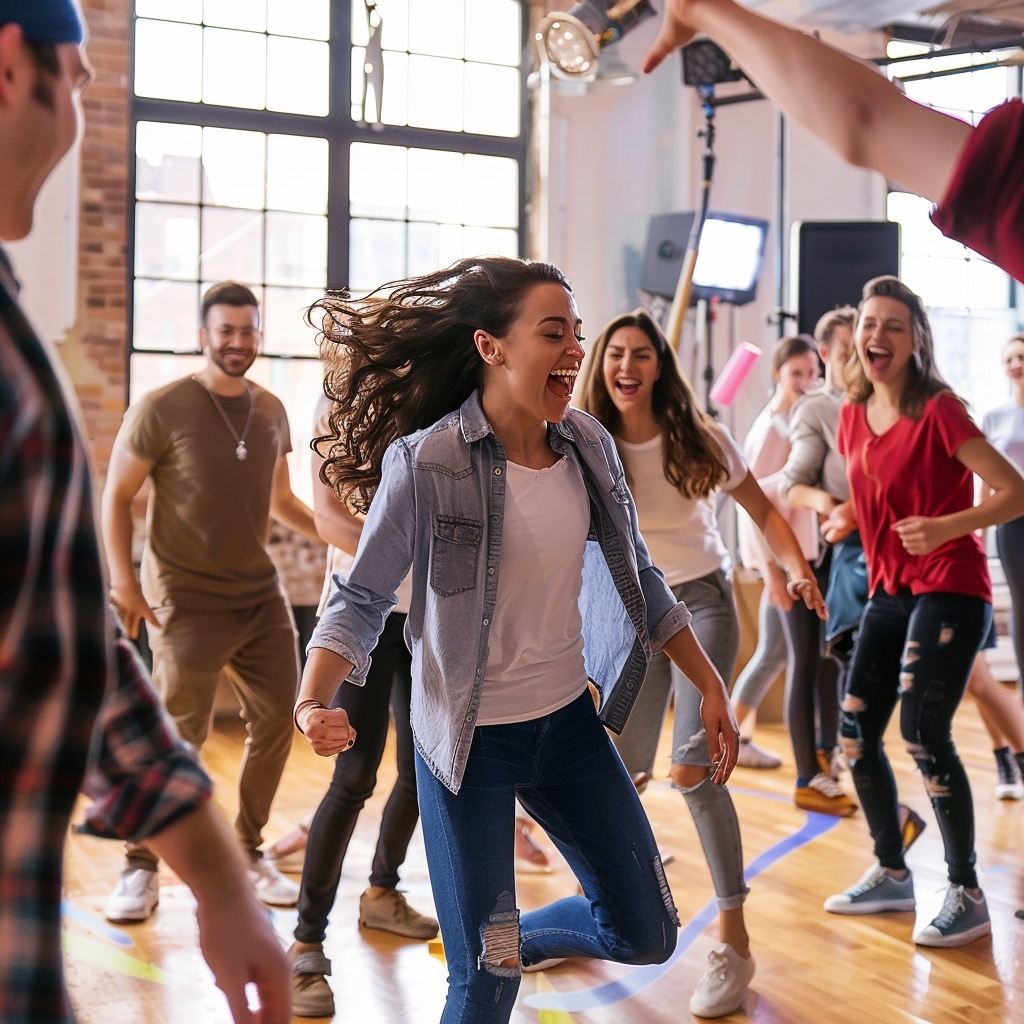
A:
x,y
834,259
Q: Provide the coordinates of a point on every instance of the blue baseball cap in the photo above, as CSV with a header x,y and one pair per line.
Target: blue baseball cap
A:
x,y
44,21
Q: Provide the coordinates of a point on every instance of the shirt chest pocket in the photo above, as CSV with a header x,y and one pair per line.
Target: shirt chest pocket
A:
x,y
454,554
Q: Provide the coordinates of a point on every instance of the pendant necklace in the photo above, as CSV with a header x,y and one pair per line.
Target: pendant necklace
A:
x,y
240,450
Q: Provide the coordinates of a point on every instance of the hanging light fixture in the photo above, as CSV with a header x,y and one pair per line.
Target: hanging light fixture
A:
x,y
571,44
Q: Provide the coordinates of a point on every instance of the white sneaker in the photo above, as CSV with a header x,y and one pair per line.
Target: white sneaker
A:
x,y
723,986
134,897
271,886
1009,785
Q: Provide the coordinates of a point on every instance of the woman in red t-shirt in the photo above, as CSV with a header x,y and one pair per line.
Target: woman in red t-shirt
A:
x,y
911,453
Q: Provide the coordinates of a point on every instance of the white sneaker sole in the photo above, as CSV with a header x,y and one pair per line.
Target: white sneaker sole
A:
x,y
841,905
937,940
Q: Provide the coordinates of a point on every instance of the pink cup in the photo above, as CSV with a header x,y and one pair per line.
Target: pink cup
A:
x,y
734,373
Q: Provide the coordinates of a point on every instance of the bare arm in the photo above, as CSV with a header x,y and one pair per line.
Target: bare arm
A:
x,y
782,542
715,708
334,522
286,508
1004,501
235,934
126,474
813,498
842,100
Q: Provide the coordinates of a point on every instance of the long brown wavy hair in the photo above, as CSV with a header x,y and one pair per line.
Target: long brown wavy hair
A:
x,y
693,458
925,381
403,357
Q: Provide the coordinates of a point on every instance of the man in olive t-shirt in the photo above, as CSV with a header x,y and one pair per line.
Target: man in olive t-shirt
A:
x,y
214,447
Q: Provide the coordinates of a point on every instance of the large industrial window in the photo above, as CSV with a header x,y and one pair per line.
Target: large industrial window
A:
x,y
973,306
299,145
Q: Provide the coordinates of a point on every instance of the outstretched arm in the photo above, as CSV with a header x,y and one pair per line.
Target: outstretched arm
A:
x,y
842,100
783,543
237,940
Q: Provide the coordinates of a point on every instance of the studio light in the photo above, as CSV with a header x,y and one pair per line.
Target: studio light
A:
x,y
571,44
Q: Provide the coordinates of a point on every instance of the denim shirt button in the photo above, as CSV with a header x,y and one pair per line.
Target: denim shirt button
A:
x,y
490,571
487,622
497,470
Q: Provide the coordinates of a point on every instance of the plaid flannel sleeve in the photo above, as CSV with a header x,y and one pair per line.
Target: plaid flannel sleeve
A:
x,y
142,776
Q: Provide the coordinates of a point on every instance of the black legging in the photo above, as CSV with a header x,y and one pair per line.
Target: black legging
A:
x,y
389,681
1010,545
812,685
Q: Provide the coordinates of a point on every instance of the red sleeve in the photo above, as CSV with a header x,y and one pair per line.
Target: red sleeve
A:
x,y
953,423
984,206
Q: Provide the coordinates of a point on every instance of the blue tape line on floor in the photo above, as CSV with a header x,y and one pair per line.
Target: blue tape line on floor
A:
x,y
643,977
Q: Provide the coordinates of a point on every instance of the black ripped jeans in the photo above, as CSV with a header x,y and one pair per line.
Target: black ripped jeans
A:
x,y
917,650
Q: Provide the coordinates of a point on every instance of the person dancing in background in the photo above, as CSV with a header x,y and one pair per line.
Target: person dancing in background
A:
x,y
389,685
677,460
812,695
453,430
1004,427
911,451
766,446
815,478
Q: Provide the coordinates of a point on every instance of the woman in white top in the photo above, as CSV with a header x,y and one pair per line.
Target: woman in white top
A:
x,y
677,460
1004,427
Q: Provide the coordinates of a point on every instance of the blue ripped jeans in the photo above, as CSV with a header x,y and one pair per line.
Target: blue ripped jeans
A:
x,y
917,650
566,774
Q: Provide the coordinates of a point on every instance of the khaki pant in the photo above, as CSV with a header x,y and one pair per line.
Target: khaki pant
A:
x,y
259,645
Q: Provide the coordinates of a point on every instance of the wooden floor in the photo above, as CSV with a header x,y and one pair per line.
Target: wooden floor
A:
x,y
812,966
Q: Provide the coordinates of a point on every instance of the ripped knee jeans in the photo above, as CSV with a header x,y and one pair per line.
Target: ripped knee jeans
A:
x,y
565,773
915,650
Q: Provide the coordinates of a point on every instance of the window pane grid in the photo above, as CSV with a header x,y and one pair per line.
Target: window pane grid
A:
x,y
227,199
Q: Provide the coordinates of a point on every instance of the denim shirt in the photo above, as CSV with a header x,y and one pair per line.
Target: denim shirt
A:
x,y
439,509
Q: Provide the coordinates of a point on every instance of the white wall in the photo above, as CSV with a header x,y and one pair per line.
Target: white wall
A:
x,y
622,153
46,263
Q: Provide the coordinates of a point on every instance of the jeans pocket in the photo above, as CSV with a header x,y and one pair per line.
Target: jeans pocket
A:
x,y
454,554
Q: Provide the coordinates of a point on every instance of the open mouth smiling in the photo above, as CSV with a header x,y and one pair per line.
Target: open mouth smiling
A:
x,y
561,382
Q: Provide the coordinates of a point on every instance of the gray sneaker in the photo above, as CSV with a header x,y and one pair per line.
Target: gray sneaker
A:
x,y
962,919
877,891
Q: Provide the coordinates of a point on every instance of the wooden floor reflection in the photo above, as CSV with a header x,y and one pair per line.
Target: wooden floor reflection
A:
x,y
812,967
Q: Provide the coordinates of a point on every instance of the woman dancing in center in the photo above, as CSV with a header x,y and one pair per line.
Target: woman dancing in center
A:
x,y
677,460
529,576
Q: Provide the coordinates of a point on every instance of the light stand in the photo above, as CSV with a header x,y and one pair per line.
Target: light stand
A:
x,y
681,301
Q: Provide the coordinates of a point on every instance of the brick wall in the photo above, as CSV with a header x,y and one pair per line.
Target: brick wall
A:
x,y
95,349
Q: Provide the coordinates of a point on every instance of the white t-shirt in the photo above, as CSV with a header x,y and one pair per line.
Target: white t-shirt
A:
x,y
535,646
681,533
767,450
1004,427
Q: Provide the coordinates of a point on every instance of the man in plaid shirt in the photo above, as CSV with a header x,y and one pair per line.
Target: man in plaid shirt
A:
x,y
69,693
